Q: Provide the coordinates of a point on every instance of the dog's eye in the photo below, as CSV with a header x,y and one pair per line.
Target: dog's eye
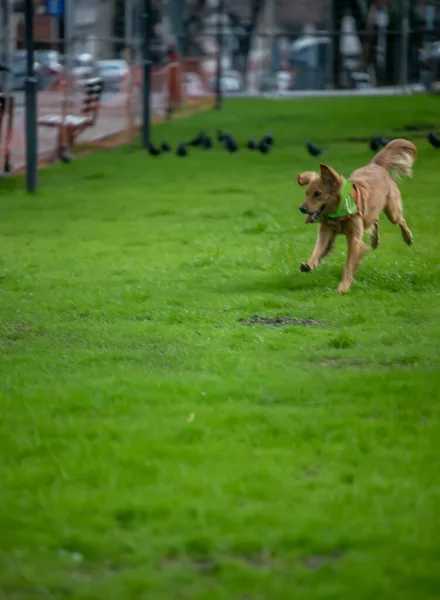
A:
x,y
316,194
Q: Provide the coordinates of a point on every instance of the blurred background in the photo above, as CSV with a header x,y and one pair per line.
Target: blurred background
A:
x,y
260,47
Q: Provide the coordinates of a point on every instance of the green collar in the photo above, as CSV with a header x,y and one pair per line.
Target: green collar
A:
x,y
347,206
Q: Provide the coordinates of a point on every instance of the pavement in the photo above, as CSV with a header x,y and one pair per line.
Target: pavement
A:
x,y
112,120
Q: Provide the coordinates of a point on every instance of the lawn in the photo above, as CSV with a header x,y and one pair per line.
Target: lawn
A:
x,y
155,445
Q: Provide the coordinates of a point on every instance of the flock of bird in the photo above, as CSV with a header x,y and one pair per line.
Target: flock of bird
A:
x,y
206,142
264,145
376,143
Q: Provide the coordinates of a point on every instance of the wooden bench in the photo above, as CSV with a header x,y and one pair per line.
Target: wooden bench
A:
x,y
70,125
6,125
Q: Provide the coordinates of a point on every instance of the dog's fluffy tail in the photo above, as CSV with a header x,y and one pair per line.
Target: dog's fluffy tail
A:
x,y
397,157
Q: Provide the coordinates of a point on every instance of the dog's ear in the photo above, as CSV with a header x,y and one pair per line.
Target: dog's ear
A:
x,y
306,177
329,176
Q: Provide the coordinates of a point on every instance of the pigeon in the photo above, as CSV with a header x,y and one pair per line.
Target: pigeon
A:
x,y
198,140
220,135
252,144
182,150
65,156
383,141
314,150
230,144
434,140
263,146
153,150
207,143
165,147
374,144
268,138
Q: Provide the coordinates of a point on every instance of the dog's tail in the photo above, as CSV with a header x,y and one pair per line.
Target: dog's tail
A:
x,y
397,157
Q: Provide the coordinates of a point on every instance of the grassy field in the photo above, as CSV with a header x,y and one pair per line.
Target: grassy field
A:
x,y
154,445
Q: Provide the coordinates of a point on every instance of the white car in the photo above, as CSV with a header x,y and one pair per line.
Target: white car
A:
x,y
230,82
113,73
84,67
194,86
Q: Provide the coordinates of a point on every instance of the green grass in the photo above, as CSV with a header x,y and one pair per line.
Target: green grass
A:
x,y
154,446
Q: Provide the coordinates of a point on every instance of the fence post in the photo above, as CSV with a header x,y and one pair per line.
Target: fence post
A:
x,y
6,74
69,29
271,20
31,102
128,23
6,30
176,13
128,57
404,29
145,77
218,81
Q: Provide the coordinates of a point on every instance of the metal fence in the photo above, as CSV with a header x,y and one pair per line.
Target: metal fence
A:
x,y
318,45
200,47
62,94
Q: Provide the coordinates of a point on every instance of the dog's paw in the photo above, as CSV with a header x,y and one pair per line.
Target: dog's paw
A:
x,y
408,237
305,268
343,288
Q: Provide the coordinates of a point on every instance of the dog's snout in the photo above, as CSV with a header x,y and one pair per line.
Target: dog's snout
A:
x,y
303,209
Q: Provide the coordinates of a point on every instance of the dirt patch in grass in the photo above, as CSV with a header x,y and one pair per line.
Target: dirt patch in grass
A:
x,y
336,363
201,565
282,321
419,127
262,560
316,561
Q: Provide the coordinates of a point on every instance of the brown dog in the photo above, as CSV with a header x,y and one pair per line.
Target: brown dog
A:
x,y
352,207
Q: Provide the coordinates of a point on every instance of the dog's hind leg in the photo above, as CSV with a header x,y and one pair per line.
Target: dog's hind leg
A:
x,y
375,238
393,210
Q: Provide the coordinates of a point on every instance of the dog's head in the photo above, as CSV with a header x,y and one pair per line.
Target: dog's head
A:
x,y
322,193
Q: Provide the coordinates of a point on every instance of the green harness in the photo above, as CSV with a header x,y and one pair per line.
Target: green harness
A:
x,y
347,206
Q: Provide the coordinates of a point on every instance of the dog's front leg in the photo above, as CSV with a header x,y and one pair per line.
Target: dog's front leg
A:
x,y
355,253
324,243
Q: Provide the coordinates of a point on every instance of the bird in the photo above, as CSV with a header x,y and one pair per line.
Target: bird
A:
x,y
165,147
65,156
374,144
198,140
220,135
268,138
383,141
153,150
207,143
182,149
252,144
434,140
314,150
230,144
263,146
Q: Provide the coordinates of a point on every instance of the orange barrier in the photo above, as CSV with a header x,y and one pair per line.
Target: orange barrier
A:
x,y
178,88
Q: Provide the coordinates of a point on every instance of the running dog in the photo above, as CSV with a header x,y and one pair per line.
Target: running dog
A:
x,y
353,206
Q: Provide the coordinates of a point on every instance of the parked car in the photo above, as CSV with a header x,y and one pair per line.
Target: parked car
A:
x,y
194,86
19,66
84,67
309,60
429,62
113,73
50,61
279,81
230,82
